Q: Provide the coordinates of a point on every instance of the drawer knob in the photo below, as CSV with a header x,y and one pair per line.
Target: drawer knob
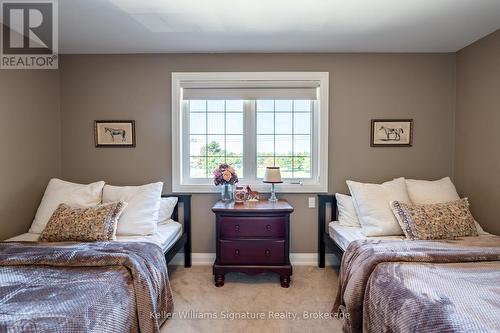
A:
x,y
236,252
268,227
268,253
237,227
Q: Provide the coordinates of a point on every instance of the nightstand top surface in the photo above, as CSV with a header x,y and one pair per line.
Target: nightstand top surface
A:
x,y
253,206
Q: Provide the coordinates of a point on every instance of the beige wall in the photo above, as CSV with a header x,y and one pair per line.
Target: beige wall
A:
x,y
477,162
362,87
29,144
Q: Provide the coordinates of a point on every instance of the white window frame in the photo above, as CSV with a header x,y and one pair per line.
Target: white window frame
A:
x,y
319,154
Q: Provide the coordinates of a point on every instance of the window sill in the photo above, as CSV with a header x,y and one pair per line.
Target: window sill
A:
x,y
263,188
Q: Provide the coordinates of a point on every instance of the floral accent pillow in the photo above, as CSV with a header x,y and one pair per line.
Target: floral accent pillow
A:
x,y
435,221
90,224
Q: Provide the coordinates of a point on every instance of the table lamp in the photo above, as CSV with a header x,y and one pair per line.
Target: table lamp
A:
x,y
272,176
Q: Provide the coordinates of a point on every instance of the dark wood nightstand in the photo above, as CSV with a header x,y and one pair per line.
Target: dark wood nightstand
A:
x,y
253,238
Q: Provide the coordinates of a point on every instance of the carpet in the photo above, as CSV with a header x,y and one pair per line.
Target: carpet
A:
x,y
252,303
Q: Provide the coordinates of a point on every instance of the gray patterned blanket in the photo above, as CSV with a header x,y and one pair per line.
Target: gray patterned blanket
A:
x,y
421,286
83,287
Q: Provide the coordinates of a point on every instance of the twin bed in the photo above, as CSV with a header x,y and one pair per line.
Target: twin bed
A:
x,y
388,284
170,237
110,286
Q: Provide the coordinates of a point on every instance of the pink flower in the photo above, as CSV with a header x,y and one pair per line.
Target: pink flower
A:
x,y
227,175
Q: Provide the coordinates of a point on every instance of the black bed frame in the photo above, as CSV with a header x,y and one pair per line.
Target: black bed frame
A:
x,y
324,239
185,240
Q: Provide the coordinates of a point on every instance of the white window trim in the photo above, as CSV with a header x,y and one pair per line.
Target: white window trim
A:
x,y
179,78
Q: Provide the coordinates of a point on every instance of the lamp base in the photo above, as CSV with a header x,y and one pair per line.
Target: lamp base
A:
x,y
273,197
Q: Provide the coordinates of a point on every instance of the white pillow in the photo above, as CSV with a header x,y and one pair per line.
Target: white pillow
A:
x,y
58,192
347,212
141,215
423,192
167,206
372,204
480,230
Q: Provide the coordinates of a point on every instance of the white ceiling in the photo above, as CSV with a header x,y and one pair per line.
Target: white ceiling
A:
x,y
143,26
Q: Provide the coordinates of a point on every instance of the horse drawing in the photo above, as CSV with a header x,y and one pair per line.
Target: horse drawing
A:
x,y
392,134
115,131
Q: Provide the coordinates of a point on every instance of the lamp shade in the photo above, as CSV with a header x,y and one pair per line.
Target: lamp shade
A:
x,y
272,175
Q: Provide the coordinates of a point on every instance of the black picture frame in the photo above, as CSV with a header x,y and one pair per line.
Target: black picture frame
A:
x,y
394,136
98,124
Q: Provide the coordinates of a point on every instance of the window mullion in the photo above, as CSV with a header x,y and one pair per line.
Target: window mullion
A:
x,y
249,141
207,173
185,148
314,139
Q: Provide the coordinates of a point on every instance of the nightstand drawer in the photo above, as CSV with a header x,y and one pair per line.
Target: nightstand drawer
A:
x,y
252,252
252,226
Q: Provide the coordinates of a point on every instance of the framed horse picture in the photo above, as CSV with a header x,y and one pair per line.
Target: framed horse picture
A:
x,y
392,133
114,133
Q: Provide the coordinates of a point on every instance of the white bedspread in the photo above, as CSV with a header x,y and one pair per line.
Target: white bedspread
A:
x,y
343,235
165,237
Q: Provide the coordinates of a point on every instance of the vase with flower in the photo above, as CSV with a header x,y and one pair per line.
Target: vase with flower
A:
x,y
225,177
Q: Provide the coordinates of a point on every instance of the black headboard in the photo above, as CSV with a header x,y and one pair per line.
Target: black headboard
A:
x,y
185,240
325,199
185,199
323,237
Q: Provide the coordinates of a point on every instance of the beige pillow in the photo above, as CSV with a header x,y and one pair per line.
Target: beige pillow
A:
x,y
347,212
59,191
141,216
371,202
423,192
435,221
90,224
438,191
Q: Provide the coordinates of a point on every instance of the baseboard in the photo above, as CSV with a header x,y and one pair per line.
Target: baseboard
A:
x,y
311,259
297,259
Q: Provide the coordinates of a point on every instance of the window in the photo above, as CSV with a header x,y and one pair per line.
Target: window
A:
x,y
284,137
215,136
251,121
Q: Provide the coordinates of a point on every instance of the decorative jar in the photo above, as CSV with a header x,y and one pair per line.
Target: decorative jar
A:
x,y
239,195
